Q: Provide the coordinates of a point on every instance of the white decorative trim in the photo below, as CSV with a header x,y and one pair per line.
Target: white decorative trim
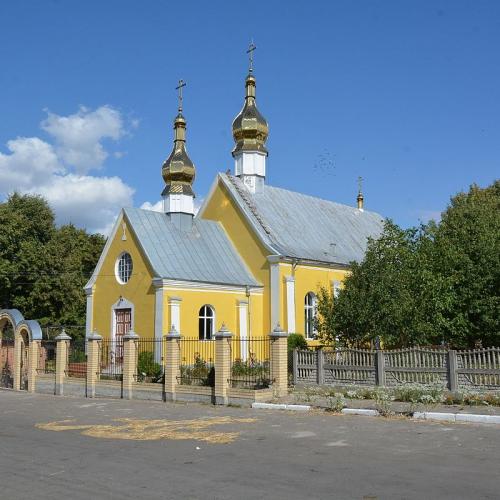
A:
x,y
158,317
274,278
121,303
174,304
201,286
290,303
178,203
89,311
335,288
243,328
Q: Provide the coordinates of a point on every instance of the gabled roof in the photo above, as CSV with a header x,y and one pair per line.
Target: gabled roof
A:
x,y
299,226
203,254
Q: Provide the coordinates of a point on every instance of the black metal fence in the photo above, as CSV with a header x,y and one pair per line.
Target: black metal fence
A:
x,y
7,363
197,362
150,356
47,357
110,364
77,359
251,363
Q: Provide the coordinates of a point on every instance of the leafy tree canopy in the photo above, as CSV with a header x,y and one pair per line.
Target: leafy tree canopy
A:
x,y
435,284
43,269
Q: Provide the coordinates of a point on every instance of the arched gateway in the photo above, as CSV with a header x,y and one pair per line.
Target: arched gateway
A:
x,y
19,346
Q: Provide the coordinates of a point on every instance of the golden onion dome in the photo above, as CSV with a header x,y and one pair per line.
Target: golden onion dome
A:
x,y
250,128
178,170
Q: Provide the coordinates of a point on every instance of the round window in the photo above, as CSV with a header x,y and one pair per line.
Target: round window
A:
x,y
123,268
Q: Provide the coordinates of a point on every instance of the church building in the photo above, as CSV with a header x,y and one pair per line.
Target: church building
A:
x,y
253,257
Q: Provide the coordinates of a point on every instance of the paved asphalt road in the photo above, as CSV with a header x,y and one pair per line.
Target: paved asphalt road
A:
x,y
222,453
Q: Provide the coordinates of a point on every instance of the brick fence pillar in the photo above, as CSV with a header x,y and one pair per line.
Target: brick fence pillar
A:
x,y
62,349
222,365
279,361
129,363
33,353
18,348
172,360
93,348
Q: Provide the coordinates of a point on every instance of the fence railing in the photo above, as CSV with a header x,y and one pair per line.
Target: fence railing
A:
x,y
479,367
150,356
77,359
197,362
250,363
110,364
467,369
47,357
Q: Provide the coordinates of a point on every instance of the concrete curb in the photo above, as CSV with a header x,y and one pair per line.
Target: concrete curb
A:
x,y
457,417
360,411
274,406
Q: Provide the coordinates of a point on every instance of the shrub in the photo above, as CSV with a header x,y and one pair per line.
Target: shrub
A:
x,y
147,366
336,402
297,341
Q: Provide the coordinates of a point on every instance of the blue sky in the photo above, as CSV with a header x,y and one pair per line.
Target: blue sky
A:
x,y
405,94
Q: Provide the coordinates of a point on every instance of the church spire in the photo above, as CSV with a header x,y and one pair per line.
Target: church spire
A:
x,y
360,199
178,171
250,131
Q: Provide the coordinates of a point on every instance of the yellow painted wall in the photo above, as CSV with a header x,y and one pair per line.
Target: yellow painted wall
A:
x,y
307,279
221,208
138,290
224,303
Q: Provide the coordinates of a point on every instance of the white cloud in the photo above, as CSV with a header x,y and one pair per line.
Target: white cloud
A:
x,y
158,206
155,207
79,137
57,171
88,201
31,162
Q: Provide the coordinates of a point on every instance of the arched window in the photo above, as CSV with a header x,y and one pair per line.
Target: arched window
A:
x,y
310,315
123,268
206,323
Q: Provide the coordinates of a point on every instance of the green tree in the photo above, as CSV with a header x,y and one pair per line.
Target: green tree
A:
x,y
427,285
43,268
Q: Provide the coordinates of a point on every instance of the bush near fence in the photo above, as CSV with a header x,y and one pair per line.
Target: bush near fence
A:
x,y
470,369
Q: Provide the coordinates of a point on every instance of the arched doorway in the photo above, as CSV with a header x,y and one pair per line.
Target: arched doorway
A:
x,y
19,357
9,319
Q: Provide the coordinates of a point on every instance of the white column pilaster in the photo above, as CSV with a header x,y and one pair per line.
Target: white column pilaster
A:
x,y
174,304
290,303
275,289
89,292
159,327
243,328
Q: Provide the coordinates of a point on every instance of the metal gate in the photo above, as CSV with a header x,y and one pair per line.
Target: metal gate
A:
x,y
25,359
7,363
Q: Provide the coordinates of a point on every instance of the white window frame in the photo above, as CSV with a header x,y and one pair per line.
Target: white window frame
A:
x,y
310,308
130,266
206,319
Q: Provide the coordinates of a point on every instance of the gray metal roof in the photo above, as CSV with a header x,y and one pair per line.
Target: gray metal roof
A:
x,y
301,226
203,254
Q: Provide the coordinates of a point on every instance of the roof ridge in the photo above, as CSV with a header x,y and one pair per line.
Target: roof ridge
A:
x,y
250,204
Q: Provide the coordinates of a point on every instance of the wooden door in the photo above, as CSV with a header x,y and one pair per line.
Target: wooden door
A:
x,y
123,324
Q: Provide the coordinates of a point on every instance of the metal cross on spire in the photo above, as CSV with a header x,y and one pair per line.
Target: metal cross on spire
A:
x,y
360,184
182,83
250,50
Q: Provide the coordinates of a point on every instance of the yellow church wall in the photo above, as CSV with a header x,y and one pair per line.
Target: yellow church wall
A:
x,y
224,303
307,279
220,207
138,290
